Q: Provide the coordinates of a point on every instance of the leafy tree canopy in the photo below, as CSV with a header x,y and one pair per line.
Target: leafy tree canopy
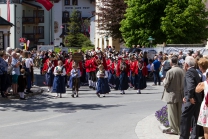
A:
x,y
185,21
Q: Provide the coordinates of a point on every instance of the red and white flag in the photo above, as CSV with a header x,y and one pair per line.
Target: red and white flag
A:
x,y
46,3
8,10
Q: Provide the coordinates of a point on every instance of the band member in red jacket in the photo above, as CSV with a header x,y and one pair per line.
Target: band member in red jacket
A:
x,y
48,71
90,65
141,73
122,73
68,66
101,57
132,69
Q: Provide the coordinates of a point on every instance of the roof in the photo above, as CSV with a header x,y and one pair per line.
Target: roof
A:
x,y
31,5
4,22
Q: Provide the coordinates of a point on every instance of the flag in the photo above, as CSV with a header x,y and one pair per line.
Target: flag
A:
x,y
46,3
8,10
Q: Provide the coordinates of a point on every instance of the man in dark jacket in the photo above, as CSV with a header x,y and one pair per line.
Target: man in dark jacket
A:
x,y
192,101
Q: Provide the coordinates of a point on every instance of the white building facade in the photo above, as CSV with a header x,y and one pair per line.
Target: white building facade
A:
x,y
102,39
30,20
61,14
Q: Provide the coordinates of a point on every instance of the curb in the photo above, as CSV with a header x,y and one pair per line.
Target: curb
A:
x,y
150,128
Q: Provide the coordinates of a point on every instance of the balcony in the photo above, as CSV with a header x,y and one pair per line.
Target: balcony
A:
x,y
31,36
32,20
65,19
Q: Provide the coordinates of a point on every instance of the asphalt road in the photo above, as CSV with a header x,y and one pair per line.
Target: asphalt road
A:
x,y
86,117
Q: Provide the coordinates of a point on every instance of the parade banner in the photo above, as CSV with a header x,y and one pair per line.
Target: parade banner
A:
x,y
45,47
77,57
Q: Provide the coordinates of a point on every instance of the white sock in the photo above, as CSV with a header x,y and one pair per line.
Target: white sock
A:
x,y
22,95
94,84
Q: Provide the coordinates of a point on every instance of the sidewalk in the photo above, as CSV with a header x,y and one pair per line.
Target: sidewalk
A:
x,y
148,128
35,89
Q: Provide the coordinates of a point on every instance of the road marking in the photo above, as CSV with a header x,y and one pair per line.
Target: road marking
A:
x,y
33,121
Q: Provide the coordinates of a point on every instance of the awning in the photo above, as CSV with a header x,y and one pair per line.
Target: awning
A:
x,y
4,22
31,5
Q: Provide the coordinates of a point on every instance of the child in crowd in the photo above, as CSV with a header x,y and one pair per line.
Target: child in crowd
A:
x,y
22,83
102,82
74,82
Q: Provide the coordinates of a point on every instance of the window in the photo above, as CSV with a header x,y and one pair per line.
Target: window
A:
x,y
65,28
67,2
66,14
1,40
39,14
74,2
79,14
23,29
23,13
40,31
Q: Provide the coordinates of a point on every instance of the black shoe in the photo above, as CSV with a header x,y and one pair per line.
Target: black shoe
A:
x,y
77,95
3,95
90,86
28,91
93,88
72,95
23,99
98,94
67,86
139,92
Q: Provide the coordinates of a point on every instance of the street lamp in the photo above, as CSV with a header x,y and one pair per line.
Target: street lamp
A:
x,y
150,39
106,39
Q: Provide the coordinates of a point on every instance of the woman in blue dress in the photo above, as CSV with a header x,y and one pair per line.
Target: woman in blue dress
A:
x,y
102,82
49,75
123,77
141,74
59,79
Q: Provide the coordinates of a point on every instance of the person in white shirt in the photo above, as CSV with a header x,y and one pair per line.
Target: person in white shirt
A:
x,y
102,82
59,79
74,81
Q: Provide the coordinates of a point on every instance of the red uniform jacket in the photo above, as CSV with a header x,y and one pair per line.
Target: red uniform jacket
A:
x,y
108,64
90,65
143,66
45,66
68,66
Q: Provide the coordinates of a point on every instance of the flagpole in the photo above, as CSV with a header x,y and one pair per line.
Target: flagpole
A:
x,y
8,10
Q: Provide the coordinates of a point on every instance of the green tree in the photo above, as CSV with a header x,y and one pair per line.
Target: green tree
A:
x,y
185,21
142,19
75,37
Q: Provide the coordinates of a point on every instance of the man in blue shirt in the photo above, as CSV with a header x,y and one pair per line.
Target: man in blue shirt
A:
x,y
156,69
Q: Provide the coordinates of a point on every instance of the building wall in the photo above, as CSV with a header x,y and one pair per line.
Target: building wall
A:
x,y
16,31
57,12
3,8
84,6
92,30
